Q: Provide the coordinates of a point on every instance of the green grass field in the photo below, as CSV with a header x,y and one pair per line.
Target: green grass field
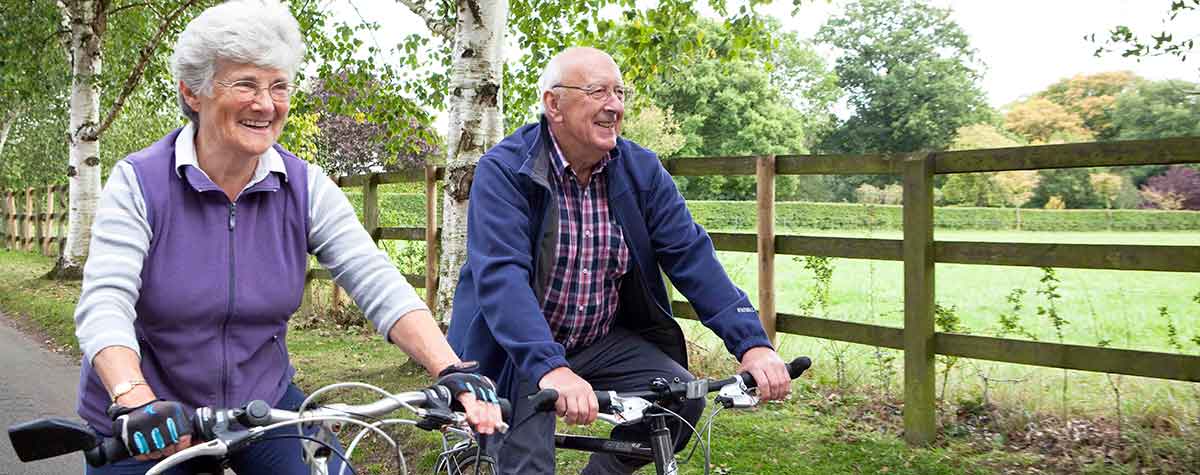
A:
x,y
1119,306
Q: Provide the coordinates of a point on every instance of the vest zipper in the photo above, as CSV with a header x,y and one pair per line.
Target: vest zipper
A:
x,y
229,309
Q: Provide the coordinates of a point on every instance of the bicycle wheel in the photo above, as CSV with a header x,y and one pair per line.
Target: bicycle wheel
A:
x,y
464,463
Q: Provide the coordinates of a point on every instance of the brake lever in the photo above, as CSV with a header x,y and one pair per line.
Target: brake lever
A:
x,y
625,410
215,448
736,395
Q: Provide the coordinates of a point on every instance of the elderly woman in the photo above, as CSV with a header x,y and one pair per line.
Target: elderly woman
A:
x,y
200,248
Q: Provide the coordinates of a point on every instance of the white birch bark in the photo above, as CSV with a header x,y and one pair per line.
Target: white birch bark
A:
x,y
6,126
476,123
85,19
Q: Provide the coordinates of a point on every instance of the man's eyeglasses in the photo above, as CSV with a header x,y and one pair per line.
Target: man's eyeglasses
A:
x,y
601,93
247,90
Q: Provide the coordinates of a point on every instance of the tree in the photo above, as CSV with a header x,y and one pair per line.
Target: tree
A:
x,y
1108,187
652,127
910,75
1072,187
1016,188
32,71
1157,109
352,143
982,136
1178,188
89,21
971,189
1091,98
1040,121
469,45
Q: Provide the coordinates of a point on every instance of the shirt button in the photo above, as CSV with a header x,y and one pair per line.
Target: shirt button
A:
x,y
581,308
585,271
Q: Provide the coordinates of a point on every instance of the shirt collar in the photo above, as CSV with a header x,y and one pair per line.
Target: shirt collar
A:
x,y
185,155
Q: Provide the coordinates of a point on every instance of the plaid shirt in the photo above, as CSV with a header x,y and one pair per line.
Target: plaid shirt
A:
x,y
591,258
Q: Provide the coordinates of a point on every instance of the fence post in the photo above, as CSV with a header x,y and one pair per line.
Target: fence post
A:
x,y
371,206
27,233
920,425
48,223
431,240
766,243
39,225
6,213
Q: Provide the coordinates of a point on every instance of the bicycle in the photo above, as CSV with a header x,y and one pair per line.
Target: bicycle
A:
x,y
630,407
225,431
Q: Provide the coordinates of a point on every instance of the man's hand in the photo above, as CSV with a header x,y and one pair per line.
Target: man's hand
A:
x,y
576,399
769,371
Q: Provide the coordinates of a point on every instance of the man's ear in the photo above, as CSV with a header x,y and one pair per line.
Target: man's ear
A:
x,y
189,97
552,106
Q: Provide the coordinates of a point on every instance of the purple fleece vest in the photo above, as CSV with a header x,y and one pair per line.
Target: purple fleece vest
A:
x,y
219,283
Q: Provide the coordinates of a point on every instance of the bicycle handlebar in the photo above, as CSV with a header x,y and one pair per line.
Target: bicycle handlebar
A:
x,y
45,438
544,400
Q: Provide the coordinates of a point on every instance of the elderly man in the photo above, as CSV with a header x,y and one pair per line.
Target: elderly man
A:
x,y
567,228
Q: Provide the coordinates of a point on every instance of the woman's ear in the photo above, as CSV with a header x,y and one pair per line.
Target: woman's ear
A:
x,y
189,97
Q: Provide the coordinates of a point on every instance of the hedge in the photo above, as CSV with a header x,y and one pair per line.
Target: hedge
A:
x,y
400,209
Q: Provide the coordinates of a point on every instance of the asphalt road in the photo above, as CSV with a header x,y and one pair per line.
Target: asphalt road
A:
x,y
34,383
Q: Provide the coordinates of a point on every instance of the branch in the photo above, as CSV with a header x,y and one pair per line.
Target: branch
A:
x,y
135,75
436,25
131,5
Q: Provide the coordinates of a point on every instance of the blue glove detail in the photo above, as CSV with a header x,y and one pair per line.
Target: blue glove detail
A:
x,y
140,441
156,436
171,429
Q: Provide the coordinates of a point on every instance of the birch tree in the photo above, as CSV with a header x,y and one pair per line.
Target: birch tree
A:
x,y
87,22
477,82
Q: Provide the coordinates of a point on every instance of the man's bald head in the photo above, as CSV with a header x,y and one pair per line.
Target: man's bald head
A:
x,y
569,62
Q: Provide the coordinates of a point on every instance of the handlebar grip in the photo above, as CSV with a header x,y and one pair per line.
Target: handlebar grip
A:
x,y
110,450
605,400
543,401
796,368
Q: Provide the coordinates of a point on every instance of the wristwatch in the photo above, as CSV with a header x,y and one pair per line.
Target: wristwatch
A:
x,y
125,387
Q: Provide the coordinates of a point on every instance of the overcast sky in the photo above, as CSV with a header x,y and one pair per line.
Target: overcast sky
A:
x,y
1026,44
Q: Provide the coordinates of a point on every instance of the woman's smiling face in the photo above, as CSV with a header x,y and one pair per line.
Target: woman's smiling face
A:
x,y
243,127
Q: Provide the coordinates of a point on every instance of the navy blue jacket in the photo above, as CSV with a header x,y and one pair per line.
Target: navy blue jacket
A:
x,y
512,234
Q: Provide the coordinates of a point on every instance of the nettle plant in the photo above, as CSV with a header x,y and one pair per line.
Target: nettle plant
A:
x,y
1049,292
817,303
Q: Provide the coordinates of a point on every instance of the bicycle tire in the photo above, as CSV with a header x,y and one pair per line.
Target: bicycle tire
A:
x,y
465,464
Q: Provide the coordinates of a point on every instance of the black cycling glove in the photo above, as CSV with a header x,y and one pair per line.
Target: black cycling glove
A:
x,y
151,426
463,378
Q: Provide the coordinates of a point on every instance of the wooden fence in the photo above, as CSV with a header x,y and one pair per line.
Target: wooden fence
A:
x,y
34,219
918,250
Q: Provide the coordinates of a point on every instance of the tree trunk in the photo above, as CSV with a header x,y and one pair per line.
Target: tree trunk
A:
x,y
85,18
6,124
476,124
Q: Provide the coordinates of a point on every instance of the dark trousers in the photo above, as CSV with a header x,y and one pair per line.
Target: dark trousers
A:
x,y
621,361
280,456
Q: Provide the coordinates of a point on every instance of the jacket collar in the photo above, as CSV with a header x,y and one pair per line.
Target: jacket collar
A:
x,y
538,155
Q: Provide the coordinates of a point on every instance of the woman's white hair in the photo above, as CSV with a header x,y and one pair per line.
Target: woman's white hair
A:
x,y
259,32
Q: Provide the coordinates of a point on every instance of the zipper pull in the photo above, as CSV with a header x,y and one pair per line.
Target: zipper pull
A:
x,y
232,215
